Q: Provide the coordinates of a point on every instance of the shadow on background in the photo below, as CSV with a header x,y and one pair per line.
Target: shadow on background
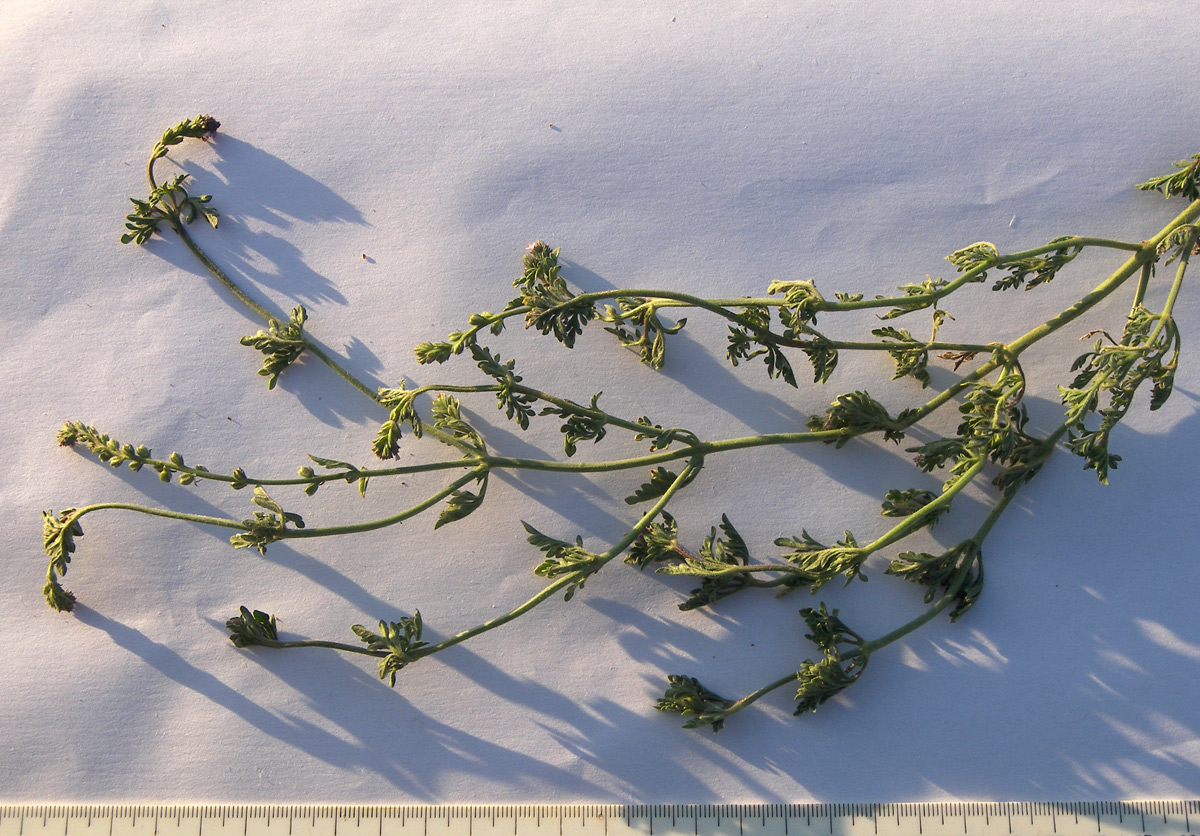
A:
x,y
371,724
269,191
1115,667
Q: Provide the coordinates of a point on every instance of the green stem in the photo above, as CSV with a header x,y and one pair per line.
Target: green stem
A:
x,y
1143,283
373,525
1145,254
160,512
546,593
975,274
309,344
951,594
755,696
599,414
867,648
897,346
150,170
864,650
913,522
569,579
216,271
1185,253
347,648
671,299
289,533
920,518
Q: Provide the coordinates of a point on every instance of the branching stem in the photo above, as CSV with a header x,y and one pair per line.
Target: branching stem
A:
x,y
989,397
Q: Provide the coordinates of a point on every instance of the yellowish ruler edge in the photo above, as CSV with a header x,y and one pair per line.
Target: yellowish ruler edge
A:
x,y
1082,818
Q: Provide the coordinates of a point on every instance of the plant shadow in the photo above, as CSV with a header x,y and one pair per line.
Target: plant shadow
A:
x,y
272,197
359,724
350,699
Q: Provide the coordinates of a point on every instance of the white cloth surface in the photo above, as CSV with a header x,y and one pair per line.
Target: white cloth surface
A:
x,y
385,165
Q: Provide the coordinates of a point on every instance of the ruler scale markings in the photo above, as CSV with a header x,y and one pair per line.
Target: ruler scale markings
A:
x,y
1042,818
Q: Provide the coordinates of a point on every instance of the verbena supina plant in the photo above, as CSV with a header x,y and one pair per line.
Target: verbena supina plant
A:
x,y
993,442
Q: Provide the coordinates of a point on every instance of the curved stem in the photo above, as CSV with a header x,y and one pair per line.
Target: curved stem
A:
x,y
373,525
1047,447
290,533
202,519
1010,352
479,462
975,274
150,170
842,345
600,414
564,582
569,579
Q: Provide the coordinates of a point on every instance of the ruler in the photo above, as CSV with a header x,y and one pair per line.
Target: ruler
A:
x,y
1148,818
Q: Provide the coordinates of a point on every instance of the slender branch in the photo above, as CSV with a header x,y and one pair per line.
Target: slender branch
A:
x,y
989,399
567,580
384,522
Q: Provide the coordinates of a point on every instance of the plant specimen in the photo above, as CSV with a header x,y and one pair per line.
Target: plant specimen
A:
x,y
993,442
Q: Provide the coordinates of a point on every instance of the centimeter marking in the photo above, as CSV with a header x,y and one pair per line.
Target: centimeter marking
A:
x,y
1099,818
1080,818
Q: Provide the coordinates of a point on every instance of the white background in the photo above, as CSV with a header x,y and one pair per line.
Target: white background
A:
x,y
706,147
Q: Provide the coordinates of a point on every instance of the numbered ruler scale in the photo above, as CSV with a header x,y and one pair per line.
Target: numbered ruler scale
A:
x,y
1152,818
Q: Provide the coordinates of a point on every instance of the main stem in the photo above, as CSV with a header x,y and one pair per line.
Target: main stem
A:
x,y
1140,262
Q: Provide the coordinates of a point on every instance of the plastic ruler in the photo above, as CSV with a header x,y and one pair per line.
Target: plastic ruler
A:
x,y
1149,818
